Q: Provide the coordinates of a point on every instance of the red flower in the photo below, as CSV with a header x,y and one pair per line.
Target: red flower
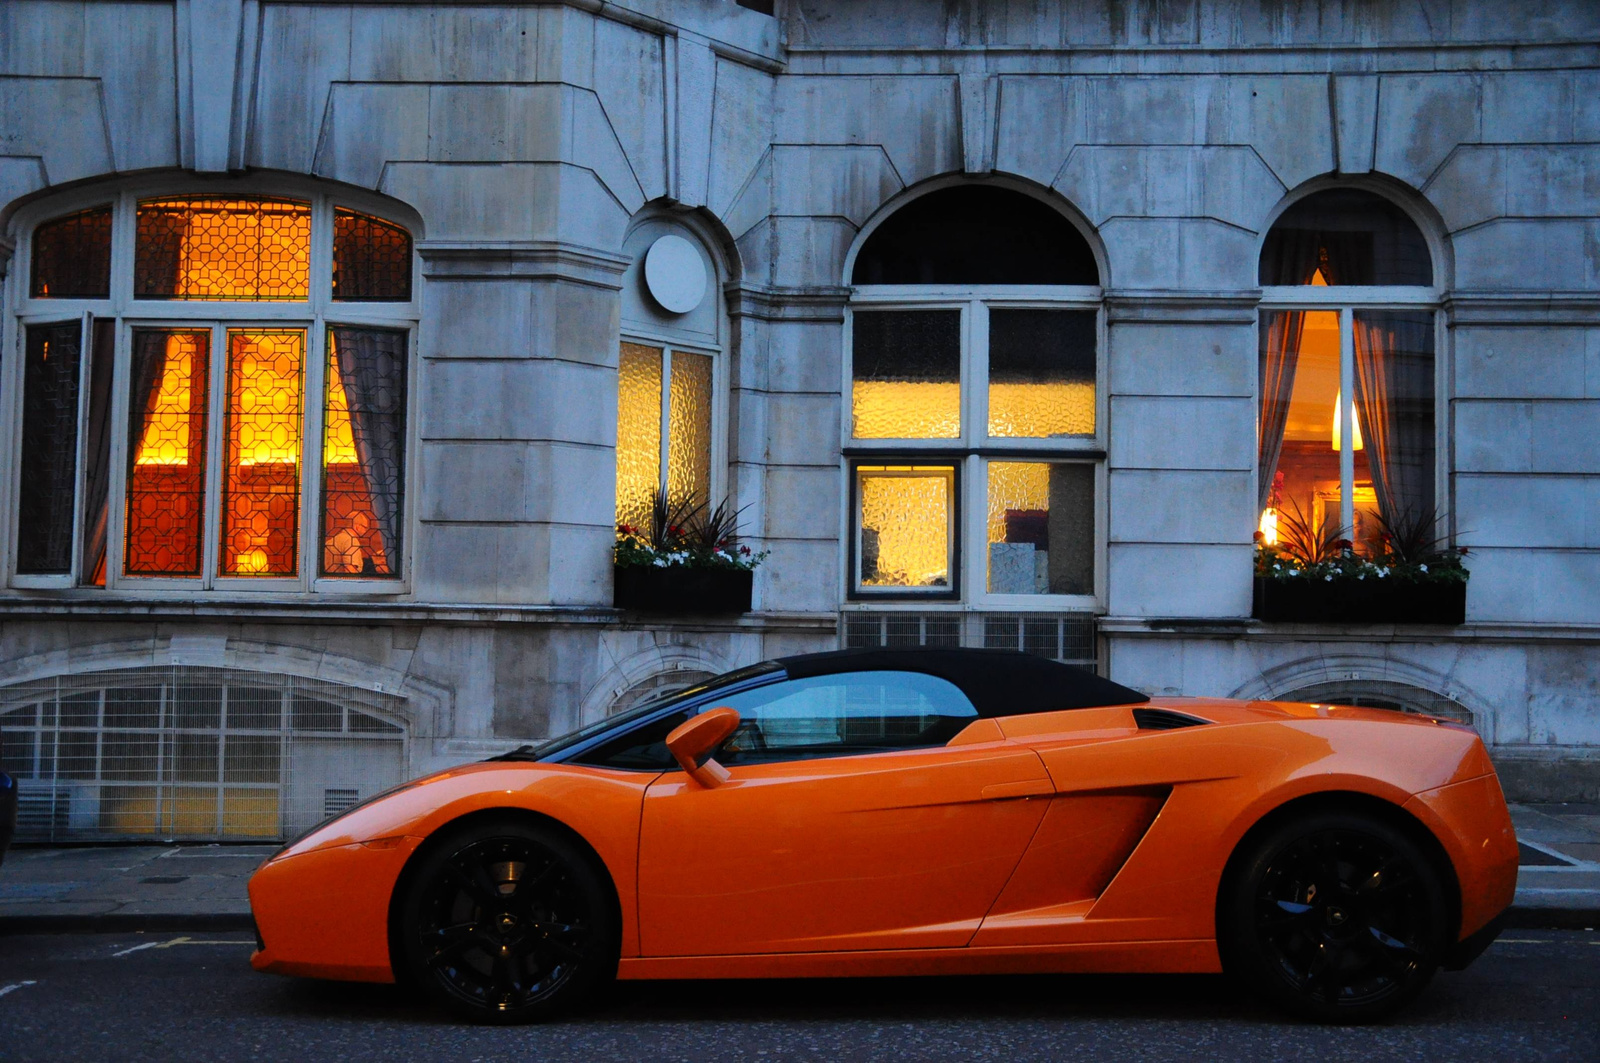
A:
x,y
746,550
1257,537
1343,544
1462,550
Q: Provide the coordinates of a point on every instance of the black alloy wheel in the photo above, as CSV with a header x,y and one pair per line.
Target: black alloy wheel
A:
x,y
507,921
1335,917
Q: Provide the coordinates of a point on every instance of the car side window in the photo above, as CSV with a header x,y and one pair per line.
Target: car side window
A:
x,y
846,714
644,748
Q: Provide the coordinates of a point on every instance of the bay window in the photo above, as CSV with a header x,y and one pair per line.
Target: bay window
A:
x,y
169,408
973,442
1348,439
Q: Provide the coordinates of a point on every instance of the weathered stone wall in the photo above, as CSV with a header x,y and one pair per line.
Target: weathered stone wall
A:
x,y
528,137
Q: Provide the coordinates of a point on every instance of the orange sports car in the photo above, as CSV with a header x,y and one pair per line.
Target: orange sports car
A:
x,y
886,812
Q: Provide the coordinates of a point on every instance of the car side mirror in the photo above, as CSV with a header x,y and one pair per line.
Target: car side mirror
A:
x,y
692,742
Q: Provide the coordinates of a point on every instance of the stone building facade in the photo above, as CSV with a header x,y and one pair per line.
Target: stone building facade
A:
x,y
401,557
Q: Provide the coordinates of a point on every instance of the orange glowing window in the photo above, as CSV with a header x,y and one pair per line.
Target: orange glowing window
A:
x,y
167,450
235,249
262,442
363,452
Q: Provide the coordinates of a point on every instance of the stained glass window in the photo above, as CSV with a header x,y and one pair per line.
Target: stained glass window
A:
x,y
251,249
1041,373
48,468
905,519
262,444
72,256
167,453
363,452
907,374
371,259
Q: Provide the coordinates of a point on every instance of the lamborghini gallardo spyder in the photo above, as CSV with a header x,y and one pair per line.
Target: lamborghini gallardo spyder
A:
x,y
916,812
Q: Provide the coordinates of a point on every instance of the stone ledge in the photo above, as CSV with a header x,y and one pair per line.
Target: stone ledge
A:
x,y
1250,628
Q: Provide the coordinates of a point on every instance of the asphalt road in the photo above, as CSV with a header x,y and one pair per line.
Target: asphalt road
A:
x,y
1534,995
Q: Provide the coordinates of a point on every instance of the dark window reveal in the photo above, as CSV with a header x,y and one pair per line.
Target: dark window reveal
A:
x,y
72,256
49,448
1351,236
371,259
976,234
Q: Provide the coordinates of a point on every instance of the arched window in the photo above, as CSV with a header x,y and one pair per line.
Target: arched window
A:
x,y
1348,444
974,430
170,404
671,376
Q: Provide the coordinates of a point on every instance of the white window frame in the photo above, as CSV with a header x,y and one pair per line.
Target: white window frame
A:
x,y
315,315
717,485
1347,301
973,448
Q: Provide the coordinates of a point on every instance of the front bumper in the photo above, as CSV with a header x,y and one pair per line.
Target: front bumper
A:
x,y
325,913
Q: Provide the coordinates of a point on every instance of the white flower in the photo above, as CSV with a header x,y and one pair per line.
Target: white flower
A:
x,y
1423,567
1294,572
1328,578
660,562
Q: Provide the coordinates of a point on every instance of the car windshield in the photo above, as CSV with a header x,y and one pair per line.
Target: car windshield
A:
x,y
638,712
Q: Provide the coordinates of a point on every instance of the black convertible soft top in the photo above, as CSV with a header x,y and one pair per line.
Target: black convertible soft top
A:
x,y
997,682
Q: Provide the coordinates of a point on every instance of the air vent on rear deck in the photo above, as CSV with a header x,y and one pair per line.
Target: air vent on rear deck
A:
x,y
1165,720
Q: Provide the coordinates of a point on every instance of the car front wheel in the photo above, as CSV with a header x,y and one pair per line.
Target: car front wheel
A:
x,y
507,921
1334,917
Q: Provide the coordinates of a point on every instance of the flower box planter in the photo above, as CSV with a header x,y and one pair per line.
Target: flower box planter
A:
x,y
1367,601
682,590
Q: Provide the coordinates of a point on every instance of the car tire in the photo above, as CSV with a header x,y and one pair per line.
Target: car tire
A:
x,y
1337,917
506,920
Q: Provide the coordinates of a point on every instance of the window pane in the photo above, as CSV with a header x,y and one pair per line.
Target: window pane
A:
x,y
1351,237
638,433
1041,373
363,452
371,259
261,471
1393,402
97,459
72,256
1041,528
1302,433
49,449
199,248
904,521
907,374
167,453
689,429
838,715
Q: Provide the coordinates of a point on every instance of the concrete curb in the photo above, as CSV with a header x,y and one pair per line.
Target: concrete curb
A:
x,y
121,923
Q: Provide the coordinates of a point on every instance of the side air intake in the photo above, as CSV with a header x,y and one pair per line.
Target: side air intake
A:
x,y
1165,720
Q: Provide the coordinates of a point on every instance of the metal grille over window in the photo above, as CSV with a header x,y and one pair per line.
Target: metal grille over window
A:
x,y
371,259
363,452
72,256
167,453
194,248
192,753
1065,637
261,475
49,448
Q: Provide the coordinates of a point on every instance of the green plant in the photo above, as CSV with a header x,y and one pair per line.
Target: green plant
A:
x,y
685,533
1409,538
1307,541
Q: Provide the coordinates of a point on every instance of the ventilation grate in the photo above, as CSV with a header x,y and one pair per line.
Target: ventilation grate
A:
x,y
337,802
1165,720
1065,637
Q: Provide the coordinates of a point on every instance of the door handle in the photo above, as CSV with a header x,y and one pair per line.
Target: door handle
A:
x,y
1001,791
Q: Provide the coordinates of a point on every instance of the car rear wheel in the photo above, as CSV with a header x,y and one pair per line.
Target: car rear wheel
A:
x,y
508,921
1335,917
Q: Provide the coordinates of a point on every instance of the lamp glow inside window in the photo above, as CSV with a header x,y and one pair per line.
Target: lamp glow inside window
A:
x,y
243,361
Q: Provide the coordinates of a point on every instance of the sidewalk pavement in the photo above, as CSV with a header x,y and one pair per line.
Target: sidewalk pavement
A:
x,y
122,888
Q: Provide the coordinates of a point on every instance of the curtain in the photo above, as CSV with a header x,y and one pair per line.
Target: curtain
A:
x,y
1290,256
1280,350
97,459
1394,399
149,366
372,367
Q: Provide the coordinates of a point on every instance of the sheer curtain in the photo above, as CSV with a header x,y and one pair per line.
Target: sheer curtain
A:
x,y
97,455
1394,398
1280,351
371,364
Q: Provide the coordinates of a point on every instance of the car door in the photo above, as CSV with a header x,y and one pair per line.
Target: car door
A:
x,y
847,822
